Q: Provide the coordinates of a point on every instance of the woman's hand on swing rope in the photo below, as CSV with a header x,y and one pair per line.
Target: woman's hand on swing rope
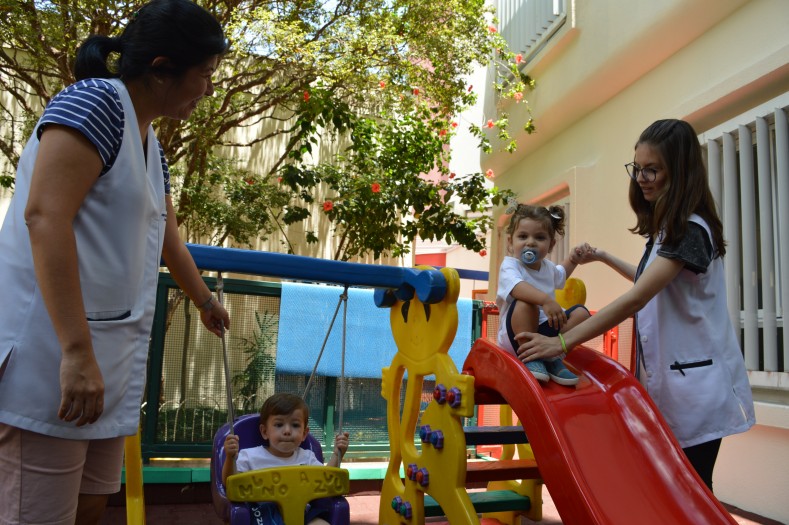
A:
x,y
213,316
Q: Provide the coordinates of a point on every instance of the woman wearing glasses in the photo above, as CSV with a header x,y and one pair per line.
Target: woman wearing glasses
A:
x,y
689,358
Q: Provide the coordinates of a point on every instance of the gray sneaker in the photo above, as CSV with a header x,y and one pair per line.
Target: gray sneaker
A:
x,y
559,373
538,370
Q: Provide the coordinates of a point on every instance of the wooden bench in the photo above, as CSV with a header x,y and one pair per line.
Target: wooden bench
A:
x,y
489,501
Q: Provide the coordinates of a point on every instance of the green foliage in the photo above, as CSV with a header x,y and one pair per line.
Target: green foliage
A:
x,y
332,97
261,351
379,180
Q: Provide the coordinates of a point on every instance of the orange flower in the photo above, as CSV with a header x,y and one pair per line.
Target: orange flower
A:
x,y
328,205
382,84
442,133
518,58
518,96
483,253
416,91
452,175
492,29
454,125
489,174
375,187
490,123
250,181
306,96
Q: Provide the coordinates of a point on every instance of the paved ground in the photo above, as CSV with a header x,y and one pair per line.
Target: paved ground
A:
x,y
364,511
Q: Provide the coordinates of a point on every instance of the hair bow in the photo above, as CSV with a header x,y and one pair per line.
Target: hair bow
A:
x,y
512,205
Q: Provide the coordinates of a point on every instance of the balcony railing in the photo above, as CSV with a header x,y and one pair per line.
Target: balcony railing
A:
x,y
528,24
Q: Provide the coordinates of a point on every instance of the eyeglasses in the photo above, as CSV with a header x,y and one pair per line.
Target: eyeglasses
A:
x,y
634,169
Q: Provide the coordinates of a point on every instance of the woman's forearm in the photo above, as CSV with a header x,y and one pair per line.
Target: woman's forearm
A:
x,y
623,268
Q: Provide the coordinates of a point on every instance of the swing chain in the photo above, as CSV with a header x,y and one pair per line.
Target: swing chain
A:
x,y
220,286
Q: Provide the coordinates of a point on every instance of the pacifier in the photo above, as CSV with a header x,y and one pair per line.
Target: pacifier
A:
x,y
528,255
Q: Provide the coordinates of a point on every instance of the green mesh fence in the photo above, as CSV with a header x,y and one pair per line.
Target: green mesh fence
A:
x,y
186,379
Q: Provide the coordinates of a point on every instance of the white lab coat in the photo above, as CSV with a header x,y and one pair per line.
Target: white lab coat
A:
x,y
706,395
120,231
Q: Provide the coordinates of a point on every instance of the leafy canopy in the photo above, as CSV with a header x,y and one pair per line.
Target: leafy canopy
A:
x,y
324,110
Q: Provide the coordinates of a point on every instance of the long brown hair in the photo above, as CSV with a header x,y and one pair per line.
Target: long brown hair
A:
x,y
687,188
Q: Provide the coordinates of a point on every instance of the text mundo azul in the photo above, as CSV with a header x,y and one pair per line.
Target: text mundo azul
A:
x,y
264,485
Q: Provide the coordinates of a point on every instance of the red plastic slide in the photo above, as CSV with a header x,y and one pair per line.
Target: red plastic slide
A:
x,y
604,451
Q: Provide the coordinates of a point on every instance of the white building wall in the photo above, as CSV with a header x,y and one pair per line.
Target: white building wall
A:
x,y
610,71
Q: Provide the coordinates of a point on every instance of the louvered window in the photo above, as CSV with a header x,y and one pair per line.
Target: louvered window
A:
x,y
748,164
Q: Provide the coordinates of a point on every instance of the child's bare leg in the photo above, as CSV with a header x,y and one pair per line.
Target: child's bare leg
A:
x,y
575,318
319,521
524,317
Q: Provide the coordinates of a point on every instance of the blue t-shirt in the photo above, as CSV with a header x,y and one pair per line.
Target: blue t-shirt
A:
x,y
93,107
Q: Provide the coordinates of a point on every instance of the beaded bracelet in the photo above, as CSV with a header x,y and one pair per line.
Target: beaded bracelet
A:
x,y
564,346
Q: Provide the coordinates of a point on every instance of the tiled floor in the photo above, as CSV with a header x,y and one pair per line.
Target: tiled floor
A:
x,y
364,511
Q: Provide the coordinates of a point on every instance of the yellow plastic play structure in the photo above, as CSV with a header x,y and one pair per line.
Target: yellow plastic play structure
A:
x,y
291,488
574,292
135,497
423,334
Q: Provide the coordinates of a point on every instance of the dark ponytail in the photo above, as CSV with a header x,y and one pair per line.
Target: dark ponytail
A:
x,y
92,57
179,30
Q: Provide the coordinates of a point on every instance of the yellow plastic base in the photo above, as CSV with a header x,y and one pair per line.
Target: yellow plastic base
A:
x,y
291,488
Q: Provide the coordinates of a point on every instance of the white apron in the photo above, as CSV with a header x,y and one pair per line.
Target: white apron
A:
x,y
119,230
693,365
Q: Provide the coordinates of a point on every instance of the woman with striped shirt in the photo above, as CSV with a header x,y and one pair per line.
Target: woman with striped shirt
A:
x,y
80,248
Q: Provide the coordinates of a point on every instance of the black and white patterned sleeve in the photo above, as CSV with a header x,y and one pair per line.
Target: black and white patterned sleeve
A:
x,y
694,249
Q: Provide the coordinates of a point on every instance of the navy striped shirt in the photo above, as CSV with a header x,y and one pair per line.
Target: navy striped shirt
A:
x,y
93,107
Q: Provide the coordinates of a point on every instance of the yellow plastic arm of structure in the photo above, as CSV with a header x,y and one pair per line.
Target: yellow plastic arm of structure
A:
x,y
135,496
574,292
291,488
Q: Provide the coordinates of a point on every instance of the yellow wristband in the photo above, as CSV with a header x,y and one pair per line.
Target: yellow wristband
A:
x,y
564,346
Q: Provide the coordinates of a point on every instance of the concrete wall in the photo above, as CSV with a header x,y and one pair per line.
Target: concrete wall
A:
x,y
610,71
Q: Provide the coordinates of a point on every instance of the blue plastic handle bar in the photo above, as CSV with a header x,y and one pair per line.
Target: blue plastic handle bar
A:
x,y
429,285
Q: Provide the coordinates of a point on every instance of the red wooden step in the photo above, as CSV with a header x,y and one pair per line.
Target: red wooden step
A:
x,y
502,470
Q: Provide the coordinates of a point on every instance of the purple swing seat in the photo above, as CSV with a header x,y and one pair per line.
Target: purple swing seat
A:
x,y
246,428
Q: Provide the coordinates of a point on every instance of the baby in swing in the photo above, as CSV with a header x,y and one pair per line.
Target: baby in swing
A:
x,y
283,422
